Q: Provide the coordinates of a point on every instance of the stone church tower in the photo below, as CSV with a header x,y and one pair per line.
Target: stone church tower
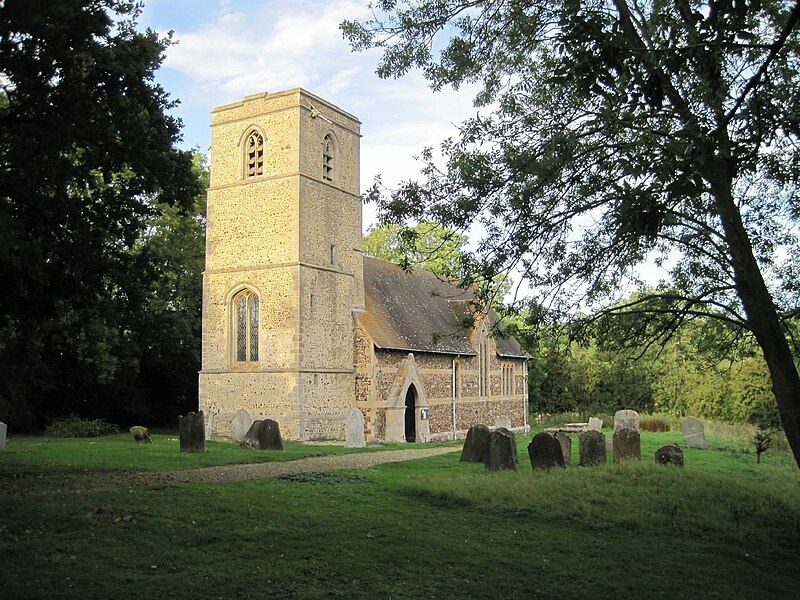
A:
x,y
284,269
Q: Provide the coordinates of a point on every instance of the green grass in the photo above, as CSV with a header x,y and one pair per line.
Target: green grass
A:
x,y
119,452
722,527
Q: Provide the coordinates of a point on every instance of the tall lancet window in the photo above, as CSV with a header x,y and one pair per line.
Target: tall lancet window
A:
x,y
254,155
328,157
245,326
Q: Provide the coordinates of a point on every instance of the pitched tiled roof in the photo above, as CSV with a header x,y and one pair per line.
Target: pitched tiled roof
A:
x,y
419,312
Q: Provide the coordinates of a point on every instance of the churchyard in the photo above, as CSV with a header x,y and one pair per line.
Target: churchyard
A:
x,y
721,526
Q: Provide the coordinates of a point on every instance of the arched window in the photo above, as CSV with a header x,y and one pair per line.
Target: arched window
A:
x,y
254,155
483,366
245,326
328,157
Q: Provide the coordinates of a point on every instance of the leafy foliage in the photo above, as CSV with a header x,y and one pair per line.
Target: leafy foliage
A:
x,y
426,246
87,163
75,427
620,133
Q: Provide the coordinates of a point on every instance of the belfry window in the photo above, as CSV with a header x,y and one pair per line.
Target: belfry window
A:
x,y
245,326
328,157
254,155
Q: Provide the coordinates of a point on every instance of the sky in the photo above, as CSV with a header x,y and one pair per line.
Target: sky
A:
x,y
227,49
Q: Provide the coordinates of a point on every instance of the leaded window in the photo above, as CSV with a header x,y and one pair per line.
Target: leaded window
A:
x,y
483,367
254,155
245,322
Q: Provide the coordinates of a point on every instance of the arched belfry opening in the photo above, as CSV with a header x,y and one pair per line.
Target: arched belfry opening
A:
x,y
411,414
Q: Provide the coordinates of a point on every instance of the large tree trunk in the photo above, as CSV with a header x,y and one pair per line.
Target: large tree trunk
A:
x,y
762,316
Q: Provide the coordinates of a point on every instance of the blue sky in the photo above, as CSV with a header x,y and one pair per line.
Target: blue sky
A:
x,y
227,49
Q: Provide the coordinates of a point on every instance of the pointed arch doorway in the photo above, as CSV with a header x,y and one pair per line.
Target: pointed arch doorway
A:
x,y
411,414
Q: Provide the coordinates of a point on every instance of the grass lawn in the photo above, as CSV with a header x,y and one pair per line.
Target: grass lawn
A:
x,y
722,527
120,452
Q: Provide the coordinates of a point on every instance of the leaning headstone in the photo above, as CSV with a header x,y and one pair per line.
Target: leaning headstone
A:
x,y
626,419
594,424
502,421
670,455
476,446
591,448
354,429
192,432
545,452
627,445
140,434
502,452
264,435
693,433
241,424
566,446
3,433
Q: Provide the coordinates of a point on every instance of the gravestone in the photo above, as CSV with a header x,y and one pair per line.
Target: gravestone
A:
x,y
594,424
566,446
545,452
141,435
502,421
241,424
591,448
3,433
693,433
626,419
192,432
610,445
354,429
670,455
264,435
627,445
502,452
476,446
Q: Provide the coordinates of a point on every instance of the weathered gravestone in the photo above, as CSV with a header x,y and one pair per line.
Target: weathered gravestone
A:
x,y
627,445
626,419
354,429
241,424
264,435
566,446
476,446
693,433
610,444
502,452
140,434
3,433
192,432
594,424
670,455
591,448
502,421
545,452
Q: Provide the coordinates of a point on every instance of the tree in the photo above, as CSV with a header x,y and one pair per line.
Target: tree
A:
x,y
620,132
426,245
87,156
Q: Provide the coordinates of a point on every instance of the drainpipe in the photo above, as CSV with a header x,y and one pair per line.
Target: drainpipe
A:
x,y
453,388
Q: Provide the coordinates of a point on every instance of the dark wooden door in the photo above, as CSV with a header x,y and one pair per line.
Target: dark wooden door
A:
x,y
411,413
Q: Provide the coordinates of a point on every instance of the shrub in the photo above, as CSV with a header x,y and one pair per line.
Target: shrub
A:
x,y
654,424
72,426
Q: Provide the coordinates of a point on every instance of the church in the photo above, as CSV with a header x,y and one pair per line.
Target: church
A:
x,y
300,326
